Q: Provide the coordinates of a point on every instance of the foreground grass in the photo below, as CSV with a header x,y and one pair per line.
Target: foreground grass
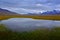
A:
x,y
3,28
45,17
45,34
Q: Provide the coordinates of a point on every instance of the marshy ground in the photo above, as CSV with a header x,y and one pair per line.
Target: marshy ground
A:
x,y
43,34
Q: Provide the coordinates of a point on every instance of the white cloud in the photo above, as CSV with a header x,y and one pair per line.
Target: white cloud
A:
x,y
31,10
39,4
23,10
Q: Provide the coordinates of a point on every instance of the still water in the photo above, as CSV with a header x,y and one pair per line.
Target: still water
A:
x,y
27,24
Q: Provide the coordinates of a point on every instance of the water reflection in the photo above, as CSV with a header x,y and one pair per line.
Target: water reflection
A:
x,y
26,24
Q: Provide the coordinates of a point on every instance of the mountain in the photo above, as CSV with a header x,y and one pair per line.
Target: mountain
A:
x,y
6,12
54,12
33,13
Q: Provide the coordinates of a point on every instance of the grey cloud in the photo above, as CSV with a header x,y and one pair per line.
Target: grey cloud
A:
x,y
30,4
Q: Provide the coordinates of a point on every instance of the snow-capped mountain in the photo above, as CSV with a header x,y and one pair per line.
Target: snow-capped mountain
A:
x,y
54,12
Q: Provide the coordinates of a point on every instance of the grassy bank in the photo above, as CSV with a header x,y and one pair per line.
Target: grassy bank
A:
x,y
53,34
45,17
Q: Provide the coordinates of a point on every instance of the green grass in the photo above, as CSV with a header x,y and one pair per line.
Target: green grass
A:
x,y
43,34
3,28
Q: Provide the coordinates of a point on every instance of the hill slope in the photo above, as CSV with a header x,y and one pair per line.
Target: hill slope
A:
x,y
6,12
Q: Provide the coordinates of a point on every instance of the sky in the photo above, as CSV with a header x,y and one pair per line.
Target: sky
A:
x,y
30,6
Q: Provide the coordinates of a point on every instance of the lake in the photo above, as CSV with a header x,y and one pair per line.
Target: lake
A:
x,y
27,24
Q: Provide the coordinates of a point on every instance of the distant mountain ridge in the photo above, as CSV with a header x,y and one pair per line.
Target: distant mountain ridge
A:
x,y
6,12
53,12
